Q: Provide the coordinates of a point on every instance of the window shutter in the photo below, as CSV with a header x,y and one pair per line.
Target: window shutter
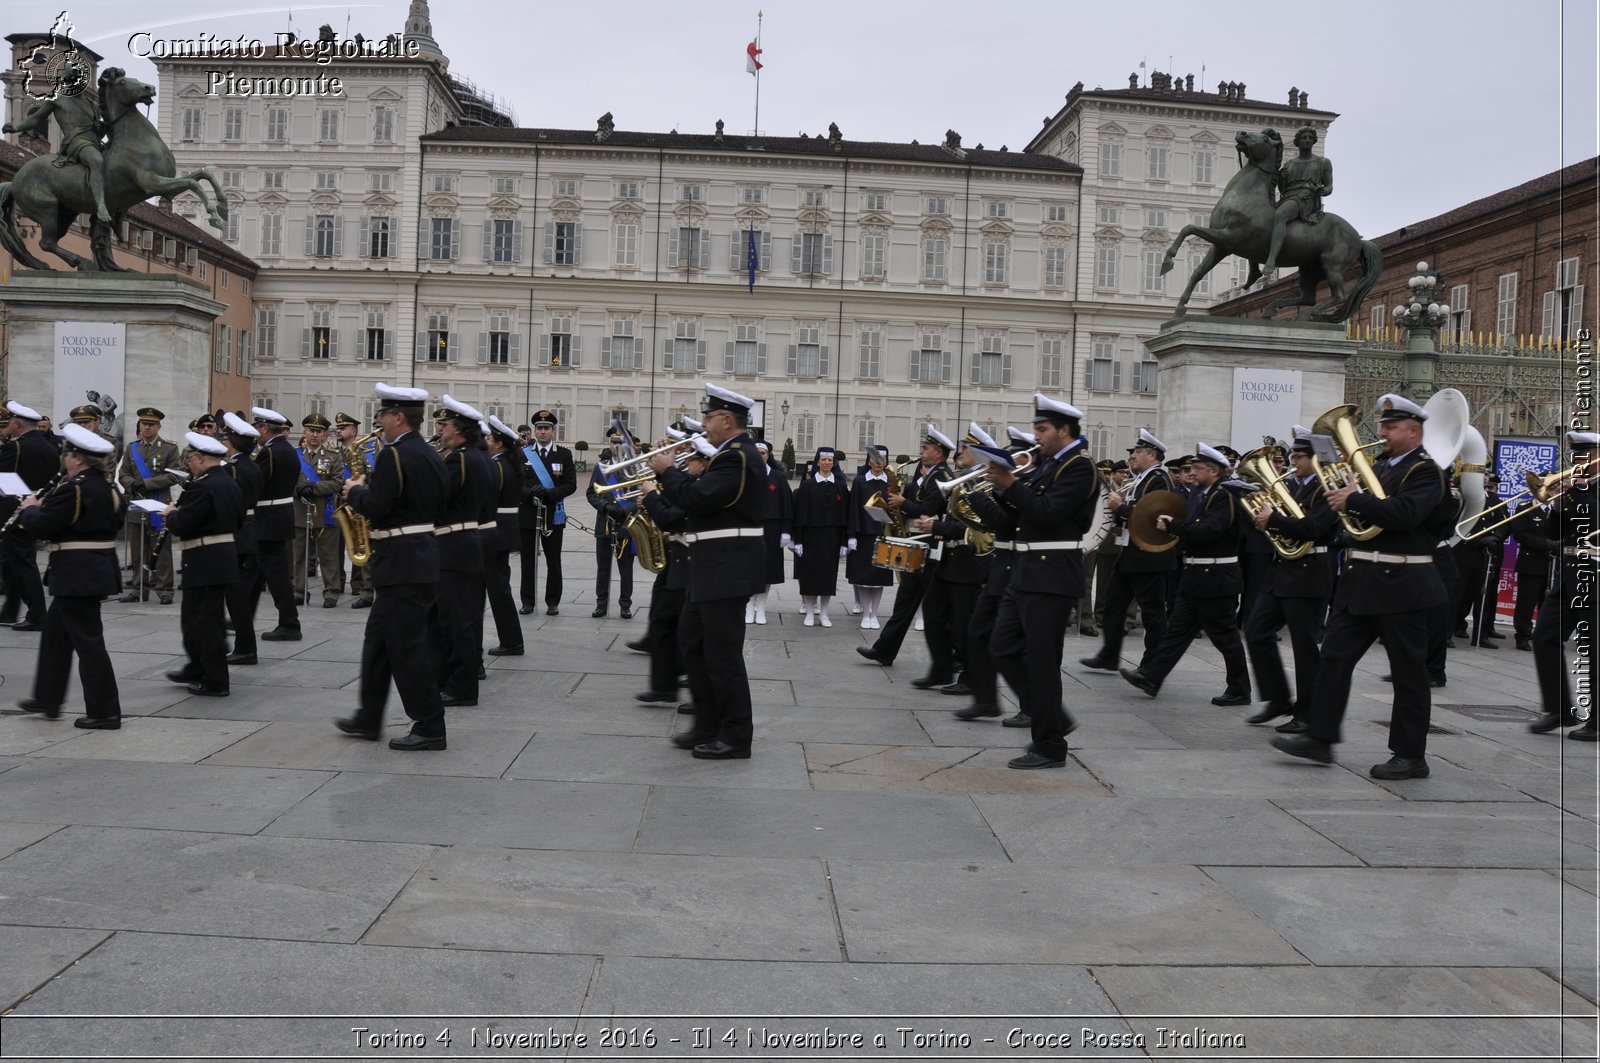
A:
x,y
1116,375
794,359
914,364
727,356
333,343
488,241
544,349
946,367
483,348
822,360
338,235
827,255
705,249
1088,374
700,355
736,250
1547,326
1005,369
1577,313
577,351
766,251
516,348
672,247
305,343
797,252
605,353
1466,322
421,353
388,344
549,242
577,244
666,349
516,241
311,236
453,345
365,250
975,371
455,239
761,358
361,344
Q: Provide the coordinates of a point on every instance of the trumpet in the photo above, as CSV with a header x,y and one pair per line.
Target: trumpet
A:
x,y
625,489
980,471
1542,489
627,464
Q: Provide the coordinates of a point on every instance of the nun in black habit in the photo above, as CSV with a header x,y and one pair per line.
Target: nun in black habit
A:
x,y
821,525
780,511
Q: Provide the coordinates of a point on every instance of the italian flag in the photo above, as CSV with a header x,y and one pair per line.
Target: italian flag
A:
x,y
751,63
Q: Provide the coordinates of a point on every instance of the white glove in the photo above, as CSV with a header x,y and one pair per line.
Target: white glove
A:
x,y
784,541
851,545
844,551
799,550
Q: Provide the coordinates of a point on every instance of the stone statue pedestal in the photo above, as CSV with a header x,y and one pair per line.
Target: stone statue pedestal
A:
x,y
1233,380
168,321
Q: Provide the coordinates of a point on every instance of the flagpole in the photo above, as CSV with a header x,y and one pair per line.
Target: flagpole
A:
x,y
759,16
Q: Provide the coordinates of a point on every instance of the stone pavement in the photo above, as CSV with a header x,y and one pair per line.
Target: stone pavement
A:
x,y
561,873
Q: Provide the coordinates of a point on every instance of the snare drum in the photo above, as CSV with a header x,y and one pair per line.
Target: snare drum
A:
x,y
899,555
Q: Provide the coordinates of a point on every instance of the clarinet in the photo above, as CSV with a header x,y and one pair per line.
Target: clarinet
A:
x,y
46,489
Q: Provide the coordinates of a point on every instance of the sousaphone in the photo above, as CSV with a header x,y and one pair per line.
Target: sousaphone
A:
x,y
1142,521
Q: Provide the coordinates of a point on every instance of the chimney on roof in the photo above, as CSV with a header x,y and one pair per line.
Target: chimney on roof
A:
x,y
719,131
1294,96
1188,83
1133,80
835,137
1240,87
1304,96
952,140
604,127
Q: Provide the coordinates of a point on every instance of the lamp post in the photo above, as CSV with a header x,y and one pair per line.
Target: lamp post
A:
x,y
784,409
1421,315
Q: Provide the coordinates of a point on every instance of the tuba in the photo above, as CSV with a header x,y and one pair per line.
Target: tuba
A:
x,y
894,521
353,527
1354,468
1256,467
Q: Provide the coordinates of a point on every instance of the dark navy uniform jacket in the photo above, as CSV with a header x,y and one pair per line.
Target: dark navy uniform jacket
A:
x,y
1132,558
1210,531
670,519
511,475
1054,504
247,474
82,509
1412,516
470,489
1309,576
211,504
405,490
731,493
280,471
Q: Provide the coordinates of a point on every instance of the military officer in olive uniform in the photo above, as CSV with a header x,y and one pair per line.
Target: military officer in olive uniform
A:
x,y
145,474
88,416
321,481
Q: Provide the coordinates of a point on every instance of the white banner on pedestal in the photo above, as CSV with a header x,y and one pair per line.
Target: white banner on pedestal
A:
x,y
1266,402
89,360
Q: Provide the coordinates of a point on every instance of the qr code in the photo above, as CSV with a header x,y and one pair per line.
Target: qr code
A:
x,y
1513,459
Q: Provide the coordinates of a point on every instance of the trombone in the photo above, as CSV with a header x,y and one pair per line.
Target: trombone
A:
x,y
1542,489
627,464
979,471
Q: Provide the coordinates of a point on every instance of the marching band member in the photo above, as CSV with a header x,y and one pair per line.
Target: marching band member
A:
x,y
205,521
511,476
1208,592
868,579
356,463
240,439
666,598
79,518
1535,549
780,512
454,634
611,533
1140,574
402,497
280,470
953,590
819,539
1572,523
543,515
32,456
726,566
1385,591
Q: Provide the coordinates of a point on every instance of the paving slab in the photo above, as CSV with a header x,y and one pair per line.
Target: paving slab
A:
x,y
36,954
1224,773
610,758
1356,1012
777,823
571,715
1133,831
1417,917
113,878
1096,730
921,913
631,904
15,836
115,793
441,810
181,975
949,770
811,723
160,739
22,733
320,747
1519,834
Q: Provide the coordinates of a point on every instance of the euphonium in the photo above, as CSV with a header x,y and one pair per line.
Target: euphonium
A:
x,y
1257,466
896,523
1340,423
353,527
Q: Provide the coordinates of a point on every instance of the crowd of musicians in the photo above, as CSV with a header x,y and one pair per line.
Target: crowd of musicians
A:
x,y
995,553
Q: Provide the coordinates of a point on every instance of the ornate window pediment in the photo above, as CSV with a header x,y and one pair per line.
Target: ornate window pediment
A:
x,y
1109,232
325,199
441,205
813,217
191,91
1112,130
384,94
751,217
1155,237
874,219
565,203
627,210
504,203
690,215
1205,137
380,199
937,226
1057,231
1158,132
273,199
996,227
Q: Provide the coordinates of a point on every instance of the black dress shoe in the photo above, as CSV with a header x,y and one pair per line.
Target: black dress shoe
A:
x,y
1034,760
1524,642
1303,745
928,682
638,645
552,611
650,697
1551,720
131,596
1293,727
871,654
328,603
957,688
361,603
1486,643
99,723
282,634
688,740
1226,699
527,609
1400,768
1140,680
352,726
505,651
182,676
1586,733
977,712
241,658
1436,681
49,712
1099,664
483,673
1270,712
1017,719
599,611
164,599
28,625
627,613
448,700
685,708
718,750
203,691
1089,632
415,743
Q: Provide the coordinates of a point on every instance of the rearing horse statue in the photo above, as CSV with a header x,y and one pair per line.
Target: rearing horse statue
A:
x,y
1241,224
137,165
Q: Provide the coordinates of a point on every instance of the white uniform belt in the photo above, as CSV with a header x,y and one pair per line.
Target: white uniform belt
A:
x,y
249,512
999,545
936,552
721,533
509,511
1030,548
1389,559
1317,550
1122,537
409,529
205,540
446,529
489,526
1211,560
274,502
1585,552
85,544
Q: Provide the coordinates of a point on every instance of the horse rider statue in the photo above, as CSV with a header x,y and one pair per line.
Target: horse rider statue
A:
x,y
1302,182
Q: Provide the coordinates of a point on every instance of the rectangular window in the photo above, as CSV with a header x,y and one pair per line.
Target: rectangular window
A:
x,y
1460,315
805,433
383,125
438,349
627,244
230,229
747,349
499,345
328,180
1154,280
246,351
1376,320
1203,285
272,179
376,348
811,253
505,186
222,278
1567,273
1155,217
1055,213
376,245
691,193
267,332
233,123
1205,167
503,242
806,357
1108,214
1106,258
869,345
566,187
326,232
1111,159
1144,377
866,434
444,183
1563,306
193,123
1505,315
564,252
380,181
322,341
277,125
628,190
752,195
1105,372
876,202
327,126
989,365
814,198
996,208
937,206
874,255
621,350
739,250
928,365
995,253
271,235
688,246
1055,267
1158,162
685,347
224,358
443,245
933,255
1050,361
563,346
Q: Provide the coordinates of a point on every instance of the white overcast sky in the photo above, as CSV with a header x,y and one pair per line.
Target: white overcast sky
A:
x,y
1439,104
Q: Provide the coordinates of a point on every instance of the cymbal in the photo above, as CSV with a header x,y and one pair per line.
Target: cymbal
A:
x,y
1142,528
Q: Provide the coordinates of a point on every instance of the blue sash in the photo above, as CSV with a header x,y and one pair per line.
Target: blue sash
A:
x,y
537,465
311,474
155,519
627,504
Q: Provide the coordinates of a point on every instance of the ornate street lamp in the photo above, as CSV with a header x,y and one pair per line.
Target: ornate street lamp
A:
x,y
1422,316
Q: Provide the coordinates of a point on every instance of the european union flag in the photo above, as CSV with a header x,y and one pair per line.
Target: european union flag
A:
x,y
751,257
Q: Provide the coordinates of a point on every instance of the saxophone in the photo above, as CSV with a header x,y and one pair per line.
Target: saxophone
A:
x,y
353,527
649,542
1257,466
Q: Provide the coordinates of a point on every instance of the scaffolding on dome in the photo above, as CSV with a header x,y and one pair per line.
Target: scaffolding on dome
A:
x,y
481,108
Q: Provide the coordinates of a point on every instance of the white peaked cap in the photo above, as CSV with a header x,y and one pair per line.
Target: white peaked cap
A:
x,y
1020,436
80,438
261,413
976,434
1207,452
27,413
456,406
704,446
400,395
1394,407
499,426
936,436
1043,403
206,444
235,424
